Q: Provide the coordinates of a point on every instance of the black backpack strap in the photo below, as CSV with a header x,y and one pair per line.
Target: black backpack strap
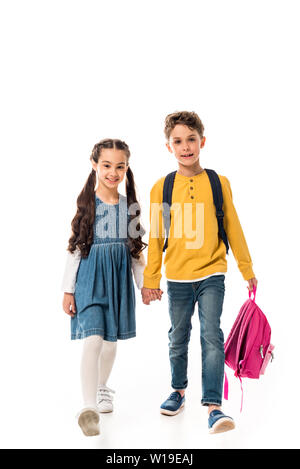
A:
x,y
167,202
218,201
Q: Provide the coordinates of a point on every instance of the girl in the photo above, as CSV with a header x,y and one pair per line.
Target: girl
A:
x,y
106,243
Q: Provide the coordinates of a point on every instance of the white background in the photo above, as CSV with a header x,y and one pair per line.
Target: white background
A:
x,y
74,72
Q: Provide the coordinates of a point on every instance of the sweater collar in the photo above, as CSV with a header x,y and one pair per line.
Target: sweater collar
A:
x,y
187,178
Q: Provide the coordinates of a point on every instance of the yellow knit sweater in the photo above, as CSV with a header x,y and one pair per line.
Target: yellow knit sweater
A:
x,y
194,247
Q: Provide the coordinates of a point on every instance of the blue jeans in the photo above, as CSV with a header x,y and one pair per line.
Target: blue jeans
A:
x,y
209,294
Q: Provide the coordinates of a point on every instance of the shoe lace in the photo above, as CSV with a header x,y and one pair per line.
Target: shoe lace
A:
x,y
175,396
105,394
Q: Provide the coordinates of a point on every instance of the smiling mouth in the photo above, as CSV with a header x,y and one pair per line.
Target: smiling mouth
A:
x,y
112,180
188,155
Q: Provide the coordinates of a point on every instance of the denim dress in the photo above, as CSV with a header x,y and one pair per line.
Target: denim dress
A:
x,y
104,289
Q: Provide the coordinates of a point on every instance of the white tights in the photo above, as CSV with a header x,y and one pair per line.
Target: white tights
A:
x,y
97,360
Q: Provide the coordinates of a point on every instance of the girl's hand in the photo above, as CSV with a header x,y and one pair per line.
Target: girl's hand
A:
x,y
252,282
151,294
69,304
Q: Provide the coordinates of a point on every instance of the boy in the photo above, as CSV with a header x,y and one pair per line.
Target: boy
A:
x,y
195,264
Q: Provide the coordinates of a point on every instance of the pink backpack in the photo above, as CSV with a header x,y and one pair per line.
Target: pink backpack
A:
x,y
248,348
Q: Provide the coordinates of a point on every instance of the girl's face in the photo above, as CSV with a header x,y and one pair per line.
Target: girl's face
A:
x,y
185,144
111,167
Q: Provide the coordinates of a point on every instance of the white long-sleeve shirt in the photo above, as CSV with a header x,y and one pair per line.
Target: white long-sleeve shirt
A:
x,y
72,265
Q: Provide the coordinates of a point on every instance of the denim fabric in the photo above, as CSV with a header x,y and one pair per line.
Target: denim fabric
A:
x,y
209,294
104,289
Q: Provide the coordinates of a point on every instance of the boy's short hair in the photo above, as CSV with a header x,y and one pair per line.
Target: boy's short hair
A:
x,y
190,119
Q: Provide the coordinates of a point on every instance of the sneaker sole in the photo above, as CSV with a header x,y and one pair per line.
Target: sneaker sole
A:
x,y
222,425
102,411
171,412
89,423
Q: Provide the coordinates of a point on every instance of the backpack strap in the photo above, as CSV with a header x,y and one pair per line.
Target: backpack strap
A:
x,y
167,202
226,386
218,201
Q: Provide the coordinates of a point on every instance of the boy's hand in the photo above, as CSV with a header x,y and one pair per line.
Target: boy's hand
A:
x,y
69,304
151,294
252,282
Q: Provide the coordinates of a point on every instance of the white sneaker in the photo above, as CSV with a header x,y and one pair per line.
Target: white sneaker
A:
x,y
104,399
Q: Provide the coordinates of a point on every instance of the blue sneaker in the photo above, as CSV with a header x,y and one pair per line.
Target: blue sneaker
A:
x,y
173,404
218,422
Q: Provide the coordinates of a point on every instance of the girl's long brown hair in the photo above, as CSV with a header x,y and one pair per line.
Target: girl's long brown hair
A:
x,y
82,223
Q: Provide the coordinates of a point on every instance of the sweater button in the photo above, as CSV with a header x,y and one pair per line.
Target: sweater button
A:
x,y
191,188
191,180
192,196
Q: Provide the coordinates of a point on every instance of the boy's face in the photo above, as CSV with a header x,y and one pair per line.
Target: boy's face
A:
x,y
185,143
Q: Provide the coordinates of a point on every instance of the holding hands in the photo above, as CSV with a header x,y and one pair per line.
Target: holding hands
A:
x,y
151,294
